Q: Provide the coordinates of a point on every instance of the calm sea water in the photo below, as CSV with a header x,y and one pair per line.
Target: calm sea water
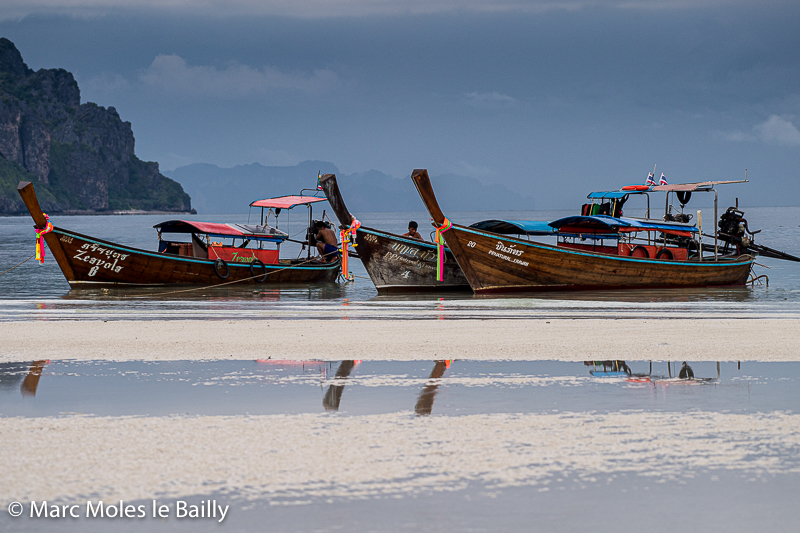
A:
x,y
40,291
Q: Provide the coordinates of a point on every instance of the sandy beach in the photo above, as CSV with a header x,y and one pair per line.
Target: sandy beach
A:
x,y
552,339
297,458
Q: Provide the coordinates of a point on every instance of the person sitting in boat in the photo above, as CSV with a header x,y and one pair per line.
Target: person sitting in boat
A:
x,y
327,244
412,231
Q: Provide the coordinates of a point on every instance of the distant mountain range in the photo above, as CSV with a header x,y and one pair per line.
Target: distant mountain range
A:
x,y
216,190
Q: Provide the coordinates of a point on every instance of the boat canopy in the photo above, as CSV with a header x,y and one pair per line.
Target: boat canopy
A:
x,y
613,195
215,229
606,224
286,202
701,185
641,189
516,227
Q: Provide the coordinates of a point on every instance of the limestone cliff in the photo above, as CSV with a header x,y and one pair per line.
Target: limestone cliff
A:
x,y
79,156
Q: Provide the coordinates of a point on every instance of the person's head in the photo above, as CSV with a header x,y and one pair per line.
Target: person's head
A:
x,y
319,224
412,226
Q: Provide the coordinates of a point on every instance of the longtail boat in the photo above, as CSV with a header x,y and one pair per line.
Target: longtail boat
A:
x,y
395,263
216,253
601,249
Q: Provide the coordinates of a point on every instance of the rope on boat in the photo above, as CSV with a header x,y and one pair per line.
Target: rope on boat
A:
x,y
234,281
15,266
754,278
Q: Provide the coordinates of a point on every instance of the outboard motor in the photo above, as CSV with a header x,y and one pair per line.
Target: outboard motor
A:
x,y
733,230
311,232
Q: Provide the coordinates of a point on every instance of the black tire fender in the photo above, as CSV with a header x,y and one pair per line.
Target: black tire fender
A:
x,y
259,278
665,253
643,249
219,266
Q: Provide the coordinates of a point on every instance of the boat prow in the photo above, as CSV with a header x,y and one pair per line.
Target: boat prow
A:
x,y
395,263
88,260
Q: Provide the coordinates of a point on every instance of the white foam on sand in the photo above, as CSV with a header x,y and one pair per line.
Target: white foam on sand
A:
x,y
295,458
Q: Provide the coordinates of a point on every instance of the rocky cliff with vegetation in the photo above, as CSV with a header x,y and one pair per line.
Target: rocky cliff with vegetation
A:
x,y
80,157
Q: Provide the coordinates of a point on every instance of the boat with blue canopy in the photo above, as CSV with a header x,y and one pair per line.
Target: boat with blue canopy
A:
x,y
601,247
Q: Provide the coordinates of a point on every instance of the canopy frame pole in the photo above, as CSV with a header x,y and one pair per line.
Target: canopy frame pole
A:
x,y
310,218
716,227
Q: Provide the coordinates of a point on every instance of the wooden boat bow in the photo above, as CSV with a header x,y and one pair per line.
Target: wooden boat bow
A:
x,y
28,195
331,188
423,184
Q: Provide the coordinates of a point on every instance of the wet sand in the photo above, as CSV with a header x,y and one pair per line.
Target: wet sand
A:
x,y
551,339
298,458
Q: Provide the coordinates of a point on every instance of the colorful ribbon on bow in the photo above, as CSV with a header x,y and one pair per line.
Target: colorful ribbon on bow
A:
x,y
348,236
40,233
446,225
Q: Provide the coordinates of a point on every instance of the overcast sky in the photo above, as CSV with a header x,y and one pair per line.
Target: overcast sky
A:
x,y
553,99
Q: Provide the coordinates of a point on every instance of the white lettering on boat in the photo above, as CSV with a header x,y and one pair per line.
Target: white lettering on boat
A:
x,y
391,256
370,237
66,238
509,259
100,262
509,249
413,252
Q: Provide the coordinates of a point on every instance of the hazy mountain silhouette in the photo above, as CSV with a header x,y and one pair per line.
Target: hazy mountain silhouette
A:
x,y
229,190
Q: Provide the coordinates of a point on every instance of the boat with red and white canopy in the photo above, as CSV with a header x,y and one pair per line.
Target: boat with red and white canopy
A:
x,y
209,253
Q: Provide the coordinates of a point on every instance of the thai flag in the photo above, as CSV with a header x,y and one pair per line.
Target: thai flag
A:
x,y
663,180
650,179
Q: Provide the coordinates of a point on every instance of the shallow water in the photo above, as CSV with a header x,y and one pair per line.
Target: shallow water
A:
x,y
412,446
32,291
356,388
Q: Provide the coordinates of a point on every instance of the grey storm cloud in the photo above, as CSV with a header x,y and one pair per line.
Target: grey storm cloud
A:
x,y
534,95
15,9
172,74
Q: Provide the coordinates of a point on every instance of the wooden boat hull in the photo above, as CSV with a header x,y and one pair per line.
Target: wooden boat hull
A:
x,y
494,263
395,263
93,260
89,260
497,263
398,264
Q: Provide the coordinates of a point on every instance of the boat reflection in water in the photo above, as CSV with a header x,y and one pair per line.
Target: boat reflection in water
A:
x,y
620,369
11,373
424,404
333,396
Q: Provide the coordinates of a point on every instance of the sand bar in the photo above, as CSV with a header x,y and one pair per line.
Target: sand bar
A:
x,y
551,339
300,457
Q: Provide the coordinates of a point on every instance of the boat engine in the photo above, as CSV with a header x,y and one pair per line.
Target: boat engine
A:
x,y
311,232
733,230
